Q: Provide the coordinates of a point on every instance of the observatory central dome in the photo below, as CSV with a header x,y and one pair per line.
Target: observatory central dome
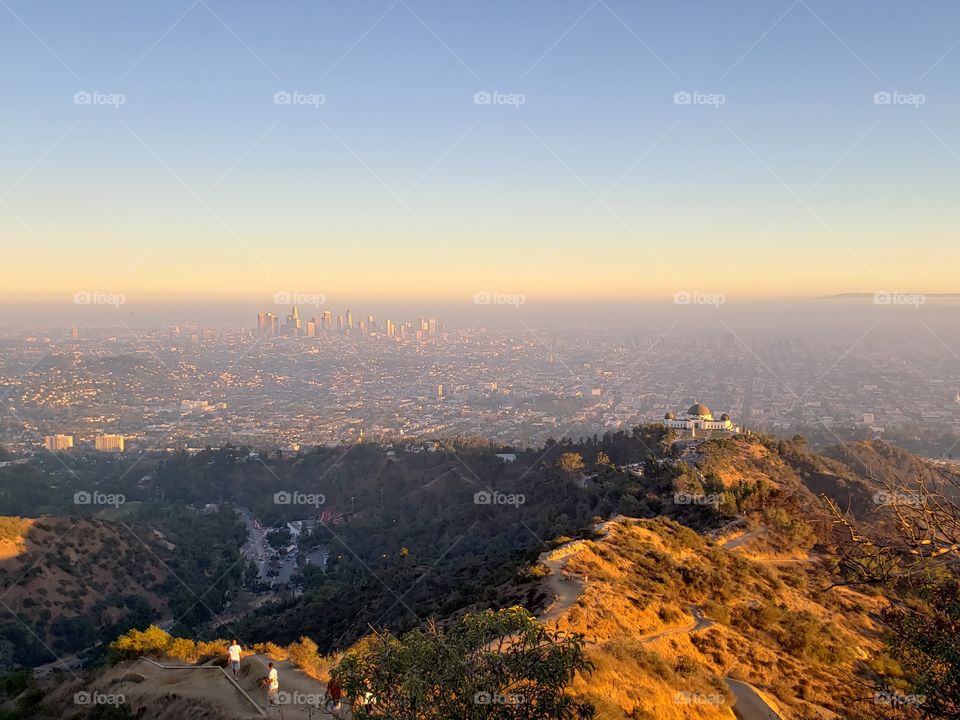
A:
x,y
700,410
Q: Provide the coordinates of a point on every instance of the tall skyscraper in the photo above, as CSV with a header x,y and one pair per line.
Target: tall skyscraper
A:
x,y
389,328
293,321
349,320
268,325
327,320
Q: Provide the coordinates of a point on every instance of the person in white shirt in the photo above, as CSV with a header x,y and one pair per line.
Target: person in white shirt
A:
x,y
233,653
272,683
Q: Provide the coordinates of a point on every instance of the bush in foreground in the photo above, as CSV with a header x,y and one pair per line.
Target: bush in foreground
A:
x,y
492,664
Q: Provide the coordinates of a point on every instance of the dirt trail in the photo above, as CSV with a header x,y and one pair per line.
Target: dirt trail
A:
x,y
745,538
699,623
566,589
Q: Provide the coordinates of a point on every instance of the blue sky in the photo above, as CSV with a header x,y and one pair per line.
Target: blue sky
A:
x,y
598,184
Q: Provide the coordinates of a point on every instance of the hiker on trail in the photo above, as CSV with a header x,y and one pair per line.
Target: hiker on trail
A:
x,y
272,683
233,653
334,692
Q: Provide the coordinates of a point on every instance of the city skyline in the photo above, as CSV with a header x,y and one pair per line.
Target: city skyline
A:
x,y
605,151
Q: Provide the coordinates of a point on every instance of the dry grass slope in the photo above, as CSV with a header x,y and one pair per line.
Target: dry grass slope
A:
x,y
771,626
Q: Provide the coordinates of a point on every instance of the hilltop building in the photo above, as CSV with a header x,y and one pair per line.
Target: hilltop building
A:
x,y
699,417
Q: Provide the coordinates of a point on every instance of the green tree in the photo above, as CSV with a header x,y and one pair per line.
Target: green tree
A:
x,y
491,664
925,639
571,462
152,641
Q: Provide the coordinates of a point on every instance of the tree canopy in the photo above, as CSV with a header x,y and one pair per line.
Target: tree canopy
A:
x,y
490,664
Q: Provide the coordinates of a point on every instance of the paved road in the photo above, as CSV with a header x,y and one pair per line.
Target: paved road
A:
x,y
256,545
748,704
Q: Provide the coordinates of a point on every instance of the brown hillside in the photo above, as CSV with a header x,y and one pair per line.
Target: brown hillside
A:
x,y
67,567
670,615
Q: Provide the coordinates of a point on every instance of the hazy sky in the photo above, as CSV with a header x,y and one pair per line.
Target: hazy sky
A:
x,y
178,172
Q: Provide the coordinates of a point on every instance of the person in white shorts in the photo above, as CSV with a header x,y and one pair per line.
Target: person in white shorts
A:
x,y
233,653
273,684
